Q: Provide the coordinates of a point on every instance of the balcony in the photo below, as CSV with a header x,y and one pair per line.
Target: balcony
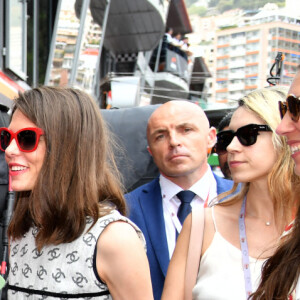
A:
x,y
236,87
172,78
168,86
237,64
238,41
238,52
236,75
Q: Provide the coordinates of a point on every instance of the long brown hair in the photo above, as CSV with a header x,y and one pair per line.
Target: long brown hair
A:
x,y
78,177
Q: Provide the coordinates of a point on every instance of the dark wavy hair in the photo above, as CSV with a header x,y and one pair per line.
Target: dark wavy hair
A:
x,y
78,177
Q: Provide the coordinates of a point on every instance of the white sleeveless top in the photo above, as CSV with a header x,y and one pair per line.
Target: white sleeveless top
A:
x,y
298,289
60,271
221,275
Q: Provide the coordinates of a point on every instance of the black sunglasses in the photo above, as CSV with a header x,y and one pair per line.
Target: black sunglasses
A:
x,y
247,135
292,104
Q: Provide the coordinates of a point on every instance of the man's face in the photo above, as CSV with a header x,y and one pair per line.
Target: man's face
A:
x,y
179,137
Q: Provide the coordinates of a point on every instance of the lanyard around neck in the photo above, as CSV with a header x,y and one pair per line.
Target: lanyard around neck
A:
x,y
245,251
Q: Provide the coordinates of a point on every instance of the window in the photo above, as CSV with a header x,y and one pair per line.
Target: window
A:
x,y
238,35
16,32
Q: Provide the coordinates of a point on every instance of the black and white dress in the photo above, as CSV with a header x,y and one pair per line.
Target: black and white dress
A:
x,y
66,271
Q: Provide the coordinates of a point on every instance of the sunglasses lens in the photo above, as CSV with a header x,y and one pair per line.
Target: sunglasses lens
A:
x,y
247,135
4,139
224,139
27,139
282,109
294,107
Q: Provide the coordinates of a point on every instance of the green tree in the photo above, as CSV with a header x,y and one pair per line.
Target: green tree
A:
x,y
197,10
224,5
213,3
190,2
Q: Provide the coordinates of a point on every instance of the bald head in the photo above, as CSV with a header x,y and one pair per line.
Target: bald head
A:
x,y
179,137
177,109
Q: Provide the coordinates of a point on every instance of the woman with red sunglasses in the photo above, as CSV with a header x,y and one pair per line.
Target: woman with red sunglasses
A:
x,y
68,234
281,273
243,230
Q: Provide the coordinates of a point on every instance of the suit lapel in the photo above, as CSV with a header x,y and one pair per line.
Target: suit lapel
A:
x,y
223,185
153,215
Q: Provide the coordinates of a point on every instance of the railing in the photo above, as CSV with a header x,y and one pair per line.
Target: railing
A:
x,y
172,60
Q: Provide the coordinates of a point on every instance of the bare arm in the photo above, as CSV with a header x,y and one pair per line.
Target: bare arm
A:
x,y
174,283
122,263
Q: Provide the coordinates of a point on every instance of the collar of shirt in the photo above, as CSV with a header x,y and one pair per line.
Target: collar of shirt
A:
x,y
204,187
207,184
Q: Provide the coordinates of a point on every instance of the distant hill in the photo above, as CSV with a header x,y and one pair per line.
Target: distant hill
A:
x,y
223,5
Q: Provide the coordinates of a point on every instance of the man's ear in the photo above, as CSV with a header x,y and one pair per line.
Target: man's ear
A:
x,y
212,137
149,150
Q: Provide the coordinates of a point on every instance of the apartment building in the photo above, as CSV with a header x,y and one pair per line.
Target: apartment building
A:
x,y
202,42
244,54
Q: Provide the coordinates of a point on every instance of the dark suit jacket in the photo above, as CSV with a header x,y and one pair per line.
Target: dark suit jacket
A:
x,y
146,211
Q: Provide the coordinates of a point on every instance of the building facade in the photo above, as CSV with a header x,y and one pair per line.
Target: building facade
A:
x,y
245,55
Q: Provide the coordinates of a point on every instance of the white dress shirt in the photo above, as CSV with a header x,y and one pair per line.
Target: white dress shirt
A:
x,y
168,37
205,190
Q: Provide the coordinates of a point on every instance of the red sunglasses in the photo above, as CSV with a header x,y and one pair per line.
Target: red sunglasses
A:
x,y
27,139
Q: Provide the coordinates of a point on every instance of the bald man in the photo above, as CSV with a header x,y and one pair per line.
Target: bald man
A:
x,y
179,136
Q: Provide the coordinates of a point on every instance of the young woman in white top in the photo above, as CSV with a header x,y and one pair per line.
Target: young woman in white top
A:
x,y
281,274
243,231
68,234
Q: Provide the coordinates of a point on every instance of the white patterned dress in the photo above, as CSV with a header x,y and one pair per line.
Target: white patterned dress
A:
x,y
65,271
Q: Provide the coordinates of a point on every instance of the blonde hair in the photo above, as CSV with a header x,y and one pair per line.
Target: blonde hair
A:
x,y
282,181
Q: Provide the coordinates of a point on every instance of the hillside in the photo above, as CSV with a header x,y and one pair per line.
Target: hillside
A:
x,y
223,5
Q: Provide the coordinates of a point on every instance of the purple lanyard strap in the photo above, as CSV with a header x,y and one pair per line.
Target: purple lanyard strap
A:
x,y
245,251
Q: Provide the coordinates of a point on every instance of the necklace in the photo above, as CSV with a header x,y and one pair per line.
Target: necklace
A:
x,y
267,223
